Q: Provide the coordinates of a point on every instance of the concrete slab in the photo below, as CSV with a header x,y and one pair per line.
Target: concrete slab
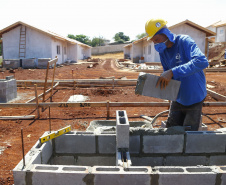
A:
x,y
146,86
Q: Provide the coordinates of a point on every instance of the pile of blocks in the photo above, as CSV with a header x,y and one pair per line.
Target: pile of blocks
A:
x,y
8,89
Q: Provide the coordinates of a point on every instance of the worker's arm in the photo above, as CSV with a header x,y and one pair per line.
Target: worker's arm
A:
x,y
196,60
165,78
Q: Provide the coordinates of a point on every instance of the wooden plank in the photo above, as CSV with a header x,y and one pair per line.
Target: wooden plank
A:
x,y
216,95
36,98
100,104
17,117
41,95
54,61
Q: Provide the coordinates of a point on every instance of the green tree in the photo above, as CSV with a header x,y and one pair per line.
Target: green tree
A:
x,y
97,41
139,36
81,38
120,36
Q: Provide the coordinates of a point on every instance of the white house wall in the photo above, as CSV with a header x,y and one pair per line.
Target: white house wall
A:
x,y
126,51
83,52
196,35
221,34
11,44
38,44
72,52
86,52
138,50
149,52
56,43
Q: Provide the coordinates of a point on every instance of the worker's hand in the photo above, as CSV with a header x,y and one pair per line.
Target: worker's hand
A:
x,y
165,78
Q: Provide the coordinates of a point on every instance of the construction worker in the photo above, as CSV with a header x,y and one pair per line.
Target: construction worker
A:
x,y
182,60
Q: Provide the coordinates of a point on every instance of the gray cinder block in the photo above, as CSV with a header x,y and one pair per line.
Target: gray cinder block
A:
x,y
73,143
147,161
185,160
163,143
11,63
187,179
205,142
43,62
134,143
146,86
28,63
122,130
218,160
107,144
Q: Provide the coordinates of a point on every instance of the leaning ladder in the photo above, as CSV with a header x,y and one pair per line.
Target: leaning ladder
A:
x,y
22,43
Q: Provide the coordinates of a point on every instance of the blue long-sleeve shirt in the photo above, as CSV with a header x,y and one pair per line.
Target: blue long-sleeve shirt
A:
x,y
187,63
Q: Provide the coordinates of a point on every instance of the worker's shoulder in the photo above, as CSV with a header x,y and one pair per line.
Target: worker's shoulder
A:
x,y
184,38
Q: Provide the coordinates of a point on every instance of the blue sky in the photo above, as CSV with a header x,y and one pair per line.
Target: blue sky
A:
x,y
107,17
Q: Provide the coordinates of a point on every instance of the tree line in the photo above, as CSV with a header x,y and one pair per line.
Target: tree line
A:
x,y
119,38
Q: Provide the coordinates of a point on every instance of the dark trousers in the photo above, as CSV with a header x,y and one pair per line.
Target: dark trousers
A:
x,y
187,116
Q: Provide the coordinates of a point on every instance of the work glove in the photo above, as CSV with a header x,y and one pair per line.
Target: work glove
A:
x,y
165,78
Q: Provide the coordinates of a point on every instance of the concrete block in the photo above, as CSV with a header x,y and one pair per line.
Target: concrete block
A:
x,y
3,84
146,86
222,176
11,63
185,160
63,160
147,161
28,63
122,130
9,77
19,177
134,144
196,142
46,152
186,179
95,161
113,176
51,178
107,144
73,143
219,160
43,62
163,143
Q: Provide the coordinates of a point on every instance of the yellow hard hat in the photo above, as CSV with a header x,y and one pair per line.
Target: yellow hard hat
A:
x,y
152,26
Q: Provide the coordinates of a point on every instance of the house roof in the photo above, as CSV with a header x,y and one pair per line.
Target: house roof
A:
x,y
220,23
190,23
52,34
196,26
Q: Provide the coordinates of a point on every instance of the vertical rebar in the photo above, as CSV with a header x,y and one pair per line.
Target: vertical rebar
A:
x,y
108,109
22,146
49,120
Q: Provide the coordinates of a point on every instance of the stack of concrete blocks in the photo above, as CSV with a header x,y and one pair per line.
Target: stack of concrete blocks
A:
x,y
11,63
8,89
28,63
146,86
43,62
122,139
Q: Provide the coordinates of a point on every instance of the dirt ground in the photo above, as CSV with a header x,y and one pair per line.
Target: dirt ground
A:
x,y
79,118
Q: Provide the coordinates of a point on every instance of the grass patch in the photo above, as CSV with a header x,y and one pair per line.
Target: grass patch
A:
x,y
0,60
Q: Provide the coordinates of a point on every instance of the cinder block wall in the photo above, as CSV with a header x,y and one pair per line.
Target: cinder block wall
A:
x,y
147,148
8,89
